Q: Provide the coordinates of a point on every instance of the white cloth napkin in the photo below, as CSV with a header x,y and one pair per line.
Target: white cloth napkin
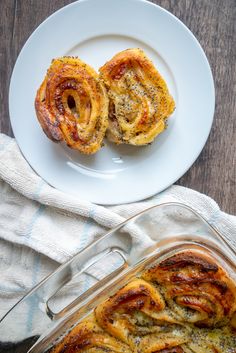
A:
x,y
41,227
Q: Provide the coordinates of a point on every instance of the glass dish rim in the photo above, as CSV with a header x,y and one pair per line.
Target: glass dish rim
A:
x,y
106,234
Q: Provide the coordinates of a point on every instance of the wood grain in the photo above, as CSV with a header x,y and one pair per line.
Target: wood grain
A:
x,y
214,24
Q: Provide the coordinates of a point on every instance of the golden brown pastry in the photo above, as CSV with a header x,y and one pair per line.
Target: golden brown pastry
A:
x,y
184,304
90,338
72,105
195,288
130,316
139,98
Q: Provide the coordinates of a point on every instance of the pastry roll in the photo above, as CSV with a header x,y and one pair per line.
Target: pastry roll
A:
x,y
139,100
184,304
195,288
88,337
129,315
72,105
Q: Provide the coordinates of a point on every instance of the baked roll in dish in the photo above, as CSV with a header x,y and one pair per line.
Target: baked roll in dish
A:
x,y
72,105
183,304
139,100
89,337
136,316
196,289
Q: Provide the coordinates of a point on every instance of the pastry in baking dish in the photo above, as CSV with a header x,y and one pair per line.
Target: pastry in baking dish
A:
x,y
89,337
132,315
139,100
196,289
184,304
72,105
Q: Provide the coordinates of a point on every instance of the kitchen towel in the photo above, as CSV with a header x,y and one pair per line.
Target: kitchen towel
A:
x,y
41,227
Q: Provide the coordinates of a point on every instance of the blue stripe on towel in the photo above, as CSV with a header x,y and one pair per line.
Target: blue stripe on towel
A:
x,y
38,212
38,189
33,300
33,220
83,239
36,265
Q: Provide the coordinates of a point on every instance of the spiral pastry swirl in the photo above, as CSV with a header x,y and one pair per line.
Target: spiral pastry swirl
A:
x,y
140,101
130,316
88,337
184,304
72,106
195,288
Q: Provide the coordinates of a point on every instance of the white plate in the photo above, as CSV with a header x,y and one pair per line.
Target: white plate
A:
x,y
95,30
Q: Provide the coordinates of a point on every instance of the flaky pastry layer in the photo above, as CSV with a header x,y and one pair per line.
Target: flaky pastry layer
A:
x,y
72,105
139,100
184,304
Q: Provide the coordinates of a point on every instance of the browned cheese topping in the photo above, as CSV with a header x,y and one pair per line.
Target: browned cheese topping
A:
x,y
184,304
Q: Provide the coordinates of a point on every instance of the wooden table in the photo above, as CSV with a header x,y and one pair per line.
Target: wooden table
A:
x,y
214,24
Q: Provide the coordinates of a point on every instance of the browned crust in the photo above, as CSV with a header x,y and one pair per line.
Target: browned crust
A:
x,y
184,259
137,295
195,281
116,66
82,126
189,279
88,335
141,117
51,129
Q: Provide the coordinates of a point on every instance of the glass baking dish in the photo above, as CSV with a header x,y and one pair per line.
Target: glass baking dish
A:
x,y
66,296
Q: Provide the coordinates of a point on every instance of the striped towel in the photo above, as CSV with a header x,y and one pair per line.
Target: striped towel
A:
x,y
41,227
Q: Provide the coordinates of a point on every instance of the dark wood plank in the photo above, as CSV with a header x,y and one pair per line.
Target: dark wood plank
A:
x,y
7,10
214,24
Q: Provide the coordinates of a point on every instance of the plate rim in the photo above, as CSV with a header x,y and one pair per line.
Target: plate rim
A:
x,y
198,151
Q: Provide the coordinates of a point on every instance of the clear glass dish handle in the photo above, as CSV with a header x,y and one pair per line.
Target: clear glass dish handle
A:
x,y
111,256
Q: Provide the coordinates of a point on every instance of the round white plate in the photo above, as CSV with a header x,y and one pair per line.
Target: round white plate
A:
x,y
95,30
